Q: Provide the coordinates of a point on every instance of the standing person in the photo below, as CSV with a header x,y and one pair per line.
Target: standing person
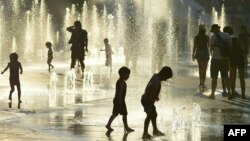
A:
x,y
108,51
150,96
236,62
201,54
14,67
218,62
50,55
244,38
79,41
119,100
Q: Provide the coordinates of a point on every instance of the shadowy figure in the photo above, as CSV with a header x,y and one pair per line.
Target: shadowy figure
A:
x,y
119,100
223,82
79,41
150,96
50,55
14,67
244,38
218,62
201,54
108,51
236,62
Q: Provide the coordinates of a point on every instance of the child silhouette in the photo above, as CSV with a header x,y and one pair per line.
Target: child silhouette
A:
x,y
119,100
14,67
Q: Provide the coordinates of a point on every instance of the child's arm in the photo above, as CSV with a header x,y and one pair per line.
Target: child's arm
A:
x,y
5,69
21,68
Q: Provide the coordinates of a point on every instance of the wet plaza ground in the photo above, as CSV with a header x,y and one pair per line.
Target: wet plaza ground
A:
x,y
53,112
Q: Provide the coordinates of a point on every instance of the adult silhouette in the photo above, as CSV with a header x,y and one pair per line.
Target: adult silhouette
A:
x,y
79,42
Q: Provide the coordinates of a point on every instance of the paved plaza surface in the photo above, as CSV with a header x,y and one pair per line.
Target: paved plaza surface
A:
x,y
52,110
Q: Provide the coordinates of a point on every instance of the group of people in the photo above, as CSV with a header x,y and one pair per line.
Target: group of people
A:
x,y
203,47
228,54
79,45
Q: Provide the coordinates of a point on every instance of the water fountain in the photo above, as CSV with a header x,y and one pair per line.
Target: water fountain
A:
x,y
38,26
53,89
69,81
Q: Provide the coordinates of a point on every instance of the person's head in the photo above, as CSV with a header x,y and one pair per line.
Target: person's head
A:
x,y
48,44
228,29
78,24
215,28
13,57
202,29
165,73
124,73
243,29
106,41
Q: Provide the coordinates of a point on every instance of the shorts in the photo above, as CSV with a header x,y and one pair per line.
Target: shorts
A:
x,y
202,55
221,66
237,63
148,106
120,109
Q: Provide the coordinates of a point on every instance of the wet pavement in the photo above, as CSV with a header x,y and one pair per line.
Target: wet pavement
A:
x,y
55,110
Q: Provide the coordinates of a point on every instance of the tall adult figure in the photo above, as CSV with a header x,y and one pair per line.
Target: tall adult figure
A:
x,y
244,38
79,42
236,62
201,54
219,63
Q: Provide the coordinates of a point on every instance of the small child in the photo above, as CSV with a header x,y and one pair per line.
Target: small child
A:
x,y
50,55
150,96
119,100
14,67
108,50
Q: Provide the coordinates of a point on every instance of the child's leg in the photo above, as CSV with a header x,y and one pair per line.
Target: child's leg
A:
x,y
156,132
146,122
112,117
154,123
51,65
48,62
48,67
19,92
12,89
125,123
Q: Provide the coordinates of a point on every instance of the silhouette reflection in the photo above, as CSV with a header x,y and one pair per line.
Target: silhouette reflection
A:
x,y
108,134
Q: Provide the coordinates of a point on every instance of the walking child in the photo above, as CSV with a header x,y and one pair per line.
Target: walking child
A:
x,y
108,51
150,96
50,55
14,67
119,100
